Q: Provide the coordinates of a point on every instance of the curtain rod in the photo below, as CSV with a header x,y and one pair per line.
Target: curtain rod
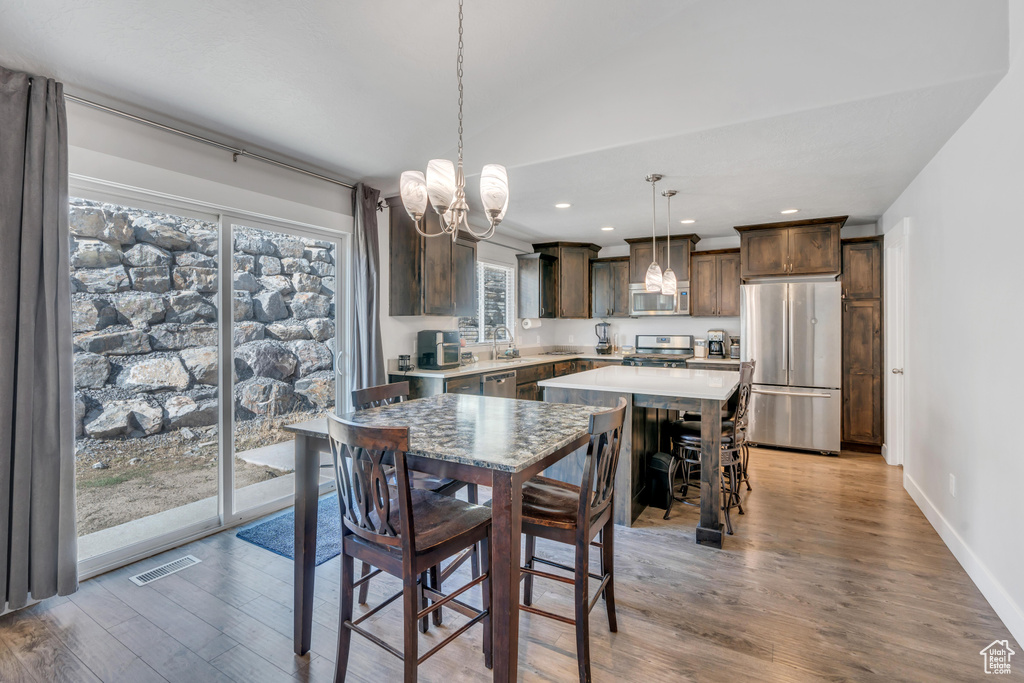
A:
x,y
235,151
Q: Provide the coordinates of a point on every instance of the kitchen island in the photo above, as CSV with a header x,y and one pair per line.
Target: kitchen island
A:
x,y
654,396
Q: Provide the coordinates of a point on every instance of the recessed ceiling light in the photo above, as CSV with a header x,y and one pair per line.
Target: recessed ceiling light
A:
x,y
789,210
563,205
608,227
687,221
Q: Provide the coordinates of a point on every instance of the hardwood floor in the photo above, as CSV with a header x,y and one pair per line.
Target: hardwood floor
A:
x,y
833,574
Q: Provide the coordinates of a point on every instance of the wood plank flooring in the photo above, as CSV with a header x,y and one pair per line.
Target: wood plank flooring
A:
x,y
833,574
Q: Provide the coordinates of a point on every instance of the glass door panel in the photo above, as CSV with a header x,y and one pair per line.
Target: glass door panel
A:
x,y
145,322
284,343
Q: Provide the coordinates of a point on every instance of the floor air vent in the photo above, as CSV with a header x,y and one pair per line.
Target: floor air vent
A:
x,y
165,570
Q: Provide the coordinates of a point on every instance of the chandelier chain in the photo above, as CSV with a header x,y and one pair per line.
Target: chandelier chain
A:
x,y
459,74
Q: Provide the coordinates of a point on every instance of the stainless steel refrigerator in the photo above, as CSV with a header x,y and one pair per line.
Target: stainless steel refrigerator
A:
x,y
793,332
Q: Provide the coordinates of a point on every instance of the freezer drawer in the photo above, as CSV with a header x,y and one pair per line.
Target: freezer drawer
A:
x,y
795,417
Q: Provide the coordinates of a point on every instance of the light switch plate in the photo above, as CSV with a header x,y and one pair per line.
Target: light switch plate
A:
x,y
952,484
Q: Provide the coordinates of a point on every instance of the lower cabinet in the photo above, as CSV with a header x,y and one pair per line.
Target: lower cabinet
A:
x,y
463,385
530,391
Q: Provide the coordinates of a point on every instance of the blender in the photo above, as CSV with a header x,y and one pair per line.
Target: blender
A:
x,y
603,345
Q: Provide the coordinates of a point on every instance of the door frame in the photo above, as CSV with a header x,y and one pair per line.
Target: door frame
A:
x,y
896,262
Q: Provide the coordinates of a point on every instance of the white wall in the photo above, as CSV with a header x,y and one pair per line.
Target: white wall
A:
x,y
963,377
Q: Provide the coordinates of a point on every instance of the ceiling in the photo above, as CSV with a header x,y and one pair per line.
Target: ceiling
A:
x,y
747,107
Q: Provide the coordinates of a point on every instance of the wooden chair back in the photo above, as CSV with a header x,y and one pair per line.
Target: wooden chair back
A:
x,y
364,458
741,417
380,395
598,485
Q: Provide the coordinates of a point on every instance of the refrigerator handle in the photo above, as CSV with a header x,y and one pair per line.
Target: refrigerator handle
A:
x,y
785,336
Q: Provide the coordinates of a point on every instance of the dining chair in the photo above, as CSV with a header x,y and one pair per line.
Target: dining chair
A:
x,y
575,515
396,392
403,531
686,450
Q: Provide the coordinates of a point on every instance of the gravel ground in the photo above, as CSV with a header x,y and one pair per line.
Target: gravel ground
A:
x,y
144,476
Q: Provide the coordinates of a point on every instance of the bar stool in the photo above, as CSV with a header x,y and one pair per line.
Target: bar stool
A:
x,y
403,531
396,392
686,449
575,515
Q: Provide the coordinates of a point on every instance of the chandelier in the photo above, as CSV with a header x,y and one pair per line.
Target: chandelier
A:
x,y
445,186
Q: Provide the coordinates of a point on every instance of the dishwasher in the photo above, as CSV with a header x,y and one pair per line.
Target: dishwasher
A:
x,y
502,384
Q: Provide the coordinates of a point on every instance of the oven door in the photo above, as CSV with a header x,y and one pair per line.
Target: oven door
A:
x,y
449,355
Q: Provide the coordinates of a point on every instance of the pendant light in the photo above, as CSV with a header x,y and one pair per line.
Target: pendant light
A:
x,y
445,186
652,281
668,278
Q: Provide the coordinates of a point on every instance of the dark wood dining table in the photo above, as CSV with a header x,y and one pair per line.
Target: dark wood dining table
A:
x,y
489,441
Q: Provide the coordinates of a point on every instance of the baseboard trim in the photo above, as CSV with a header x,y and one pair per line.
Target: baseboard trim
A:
x,y
990,587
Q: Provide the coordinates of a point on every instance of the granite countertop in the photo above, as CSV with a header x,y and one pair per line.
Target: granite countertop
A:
x,y
496,365
495,433
673,382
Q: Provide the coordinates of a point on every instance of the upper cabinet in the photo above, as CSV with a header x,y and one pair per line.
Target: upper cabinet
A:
x,y
609,287
538,286
641,254
429,275
573,275
715,283
808,247
862,268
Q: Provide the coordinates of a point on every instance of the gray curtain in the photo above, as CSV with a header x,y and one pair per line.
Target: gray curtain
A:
x,y
368,353
38,543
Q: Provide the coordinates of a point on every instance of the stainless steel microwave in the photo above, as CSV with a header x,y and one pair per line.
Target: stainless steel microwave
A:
x,y
642,302
438,349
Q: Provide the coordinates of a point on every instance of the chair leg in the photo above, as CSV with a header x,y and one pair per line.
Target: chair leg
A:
x,y
423,602
474,559
727,502
582,605
410,600
344,614
746,466
608,568
364,588
485,599
672,468
531,547
435,583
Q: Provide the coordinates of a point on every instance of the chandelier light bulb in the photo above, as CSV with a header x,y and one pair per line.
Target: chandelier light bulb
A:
x,y
414,193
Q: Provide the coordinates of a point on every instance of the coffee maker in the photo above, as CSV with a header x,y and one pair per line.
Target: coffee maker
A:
x,y
718,344
603,345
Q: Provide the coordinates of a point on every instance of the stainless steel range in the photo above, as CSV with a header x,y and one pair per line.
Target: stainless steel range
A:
x,y
669,351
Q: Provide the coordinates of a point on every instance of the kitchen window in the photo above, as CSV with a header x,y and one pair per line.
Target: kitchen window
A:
x,y
495,304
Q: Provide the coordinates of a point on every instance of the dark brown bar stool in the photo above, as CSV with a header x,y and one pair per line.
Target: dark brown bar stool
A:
x,y
403,531
575,515
687,444
396,392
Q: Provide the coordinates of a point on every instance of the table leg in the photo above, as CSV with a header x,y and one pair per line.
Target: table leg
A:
x,y
709,530
307,476
506,532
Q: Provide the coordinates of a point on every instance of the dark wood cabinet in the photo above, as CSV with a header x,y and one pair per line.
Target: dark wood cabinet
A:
x,y
464,269
715,283
862,269
573,275
428,275
538,286
808,247
529,391
609,287
641,250
863,351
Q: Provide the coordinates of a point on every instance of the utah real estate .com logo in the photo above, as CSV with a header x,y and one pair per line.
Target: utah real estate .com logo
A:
x,y
997,657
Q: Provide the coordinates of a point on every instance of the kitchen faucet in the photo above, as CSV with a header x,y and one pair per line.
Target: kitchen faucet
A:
x,y
510,351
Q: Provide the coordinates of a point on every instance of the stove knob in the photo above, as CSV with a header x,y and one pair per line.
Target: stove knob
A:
x,y
672,365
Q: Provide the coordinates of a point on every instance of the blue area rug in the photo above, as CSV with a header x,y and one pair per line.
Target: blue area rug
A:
x,y
277,533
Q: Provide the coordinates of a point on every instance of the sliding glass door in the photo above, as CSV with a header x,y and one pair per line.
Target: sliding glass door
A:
x,y
285,339
197,337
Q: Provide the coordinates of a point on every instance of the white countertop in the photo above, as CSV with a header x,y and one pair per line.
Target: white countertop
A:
x,y
727,361
496,365
674,382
